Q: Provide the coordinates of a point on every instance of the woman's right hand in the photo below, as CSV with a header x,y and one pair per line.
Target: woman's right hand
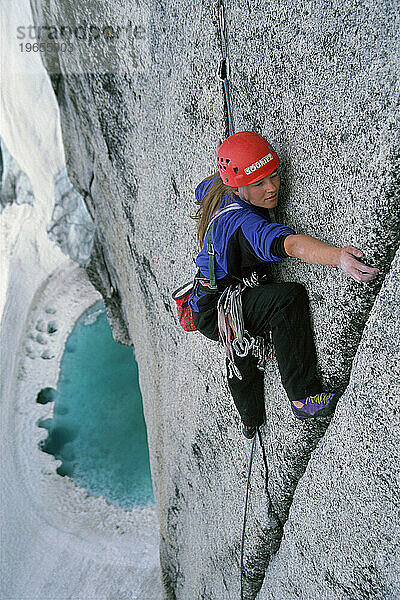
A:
x,y
353,267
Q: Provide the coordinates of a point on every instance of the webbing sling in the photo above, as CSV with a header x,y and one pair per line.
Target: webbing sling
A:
x,y
210,247
211,257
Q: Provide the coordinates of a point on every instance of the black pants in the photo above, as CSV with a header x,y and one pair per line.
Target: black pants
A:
x,y
283,309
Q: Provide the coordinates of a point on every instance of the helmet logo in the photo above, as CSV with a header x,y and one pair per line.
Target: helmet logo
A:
x,y
260,163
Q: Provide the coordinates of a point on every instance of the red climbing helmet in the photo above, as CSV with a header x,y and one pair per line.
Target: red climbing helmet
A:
x,y
245,157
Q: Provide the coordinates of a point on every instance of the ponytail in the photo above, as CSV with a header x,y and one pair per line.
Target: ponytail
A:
x,y
209,204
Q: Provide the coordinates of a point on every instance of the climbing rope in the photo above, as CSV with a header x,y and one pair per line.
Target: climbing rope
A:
x,y
224,67
245,517
233,335
253,443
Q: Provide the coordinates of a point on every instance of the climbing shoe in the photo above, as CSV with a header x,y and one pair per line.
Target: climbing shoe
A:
x,y
320,405
249,431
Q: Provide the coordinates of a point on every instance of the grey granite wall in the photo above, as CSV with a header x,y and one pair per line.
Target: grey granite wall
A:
x,y
341,540
140,119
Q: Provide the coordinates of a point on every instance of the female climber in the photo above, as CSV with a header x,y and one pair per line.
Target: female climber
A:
x,y
245,240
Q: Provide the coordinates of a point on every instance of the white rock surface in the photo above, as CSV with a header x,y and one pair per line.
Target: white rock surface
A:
x,y
57,541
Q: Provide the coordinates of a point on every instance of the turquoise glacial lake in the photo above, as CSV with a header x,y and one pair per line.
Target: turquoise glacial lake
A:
x,y
98,429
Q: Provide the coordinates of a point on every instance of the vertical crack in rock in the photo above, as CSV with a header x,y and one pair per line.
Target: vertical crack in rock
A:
x,y
350,482
170,572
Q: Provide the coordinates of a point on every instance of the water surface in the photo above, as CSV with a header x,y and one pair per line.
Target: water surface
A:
x,y
98,430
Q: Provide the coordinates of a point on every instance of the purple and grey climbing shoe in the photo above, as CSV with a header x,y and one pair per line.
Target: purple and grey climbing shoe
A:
x,y
320,405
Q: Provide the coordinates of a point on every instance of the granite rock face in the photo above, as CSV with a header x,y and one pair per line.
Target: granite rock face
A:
x,y
139,125
342,538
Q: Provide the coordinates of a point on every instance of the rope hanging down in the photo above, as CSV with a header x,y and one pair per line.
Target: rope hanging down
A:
x,y
224,68
244,342
253,443
264,456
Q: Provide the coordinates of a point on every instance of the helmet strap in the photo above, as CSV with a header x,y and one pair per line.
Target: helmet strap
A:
x,y
241,194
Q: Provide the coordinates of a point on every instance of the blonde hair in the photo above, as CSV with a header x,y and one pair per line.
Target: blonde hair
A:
x,y
209,204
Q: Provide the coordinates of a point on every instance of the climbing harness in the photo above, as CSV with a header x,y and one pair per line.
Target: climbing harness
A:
x,y
232,333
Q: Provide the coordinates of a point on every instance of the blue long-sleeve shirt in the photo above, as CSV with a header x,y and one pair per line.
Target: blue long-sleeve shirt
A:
x,y
245,241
